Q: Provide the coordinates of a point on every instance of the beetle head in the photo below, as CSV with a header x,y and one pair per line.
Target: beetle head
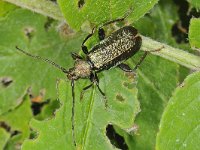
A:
x,y
81,69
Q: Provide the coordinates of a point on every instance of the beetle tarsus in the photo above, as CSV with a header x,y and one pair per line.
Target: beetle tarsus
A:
x,y
75,56
85,89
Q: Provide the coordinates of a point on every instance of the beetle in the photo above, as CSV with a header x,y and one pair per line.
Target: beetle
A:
x,y
110,52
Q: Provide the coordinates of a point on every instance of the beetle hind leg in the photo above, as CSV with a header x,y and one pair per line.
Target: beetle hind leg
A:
x,y
144,56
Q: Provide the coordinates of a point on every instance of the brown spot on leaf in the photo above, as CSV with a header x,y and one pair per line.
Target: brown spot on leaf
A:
x,y
182,85
64,30
129,85
29,32
6,81
38,98
134,129
130,75
120,98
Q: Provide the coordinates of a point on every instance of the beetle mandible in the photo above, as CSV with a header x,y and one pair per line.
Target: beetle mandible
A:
x,y
110,52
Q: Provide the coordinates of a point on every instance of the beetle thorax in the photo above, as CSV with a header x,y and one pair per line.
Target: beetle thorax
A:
x,y
81,69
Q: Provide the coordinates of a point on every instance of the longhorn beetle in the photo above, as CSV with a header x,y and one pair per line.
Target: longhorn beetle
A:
x,y
110,52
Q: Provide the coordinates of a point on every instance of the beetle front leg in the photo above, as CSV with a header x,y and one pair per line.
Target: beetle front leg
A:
x,y
125,67
96,81
85,89
84,48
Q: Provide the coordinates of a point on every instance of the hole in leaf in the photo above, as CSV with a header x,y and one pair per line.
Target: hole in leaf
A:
x,y
46,109
5,126
81,3
55,1
33,134
48,23
115,139
120,98
37,106
29,32
15,132
6,81
180,29
179,33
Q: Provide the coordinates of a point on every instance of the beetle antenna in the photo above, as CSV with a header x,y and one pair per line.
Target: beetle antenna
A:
x,y
73,108
43,59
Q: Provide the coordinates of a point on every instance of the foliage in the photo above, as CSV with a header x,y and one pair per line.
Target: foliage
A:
x,y
36,103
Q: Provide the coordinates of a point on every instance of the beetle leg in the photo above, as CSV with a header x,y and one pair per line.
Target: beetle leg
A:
x,y
85,89
101,34
125,67
75,56
143,57
96,81
84,48
140,61
118,19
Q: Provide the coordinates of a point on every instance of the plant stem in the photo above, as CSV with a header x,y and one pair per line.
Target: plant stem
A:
x,y
179,56
174,54
44,7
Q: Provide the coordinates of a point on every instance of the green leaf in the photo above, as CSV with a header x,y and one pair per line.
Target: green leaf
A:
x,y
99,11
48,110
180,123
154,91
40,6
4,137
33,33
195,3
91,116
26,72
157,78
18,120
194,33
5,8
158,24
